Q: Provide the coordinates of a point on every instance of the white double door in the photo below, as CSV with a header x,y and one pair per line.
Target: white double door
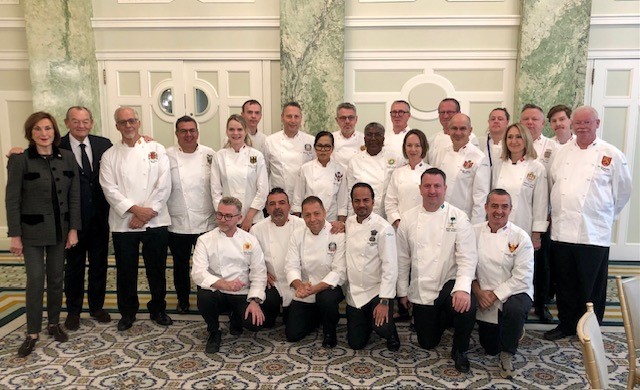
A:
x,y
163,91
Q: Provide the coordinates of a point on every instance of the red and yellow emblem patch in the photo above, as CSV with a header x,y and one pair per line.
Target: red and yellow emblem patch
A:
x,y
606,161
153,156
467,164
513,247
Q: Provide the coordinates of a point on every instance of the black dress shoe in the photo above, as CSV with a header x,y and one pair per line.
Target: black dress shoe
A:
x,y
235,330
329,341
213,342
461,361
544,314
101,316
125,323
555,334
72,322
161,318
393,342
27,346
57,333
182,308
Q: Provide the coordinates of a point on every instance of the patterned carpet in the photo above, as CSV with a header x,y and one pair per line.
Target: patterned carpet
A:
x,y
149,356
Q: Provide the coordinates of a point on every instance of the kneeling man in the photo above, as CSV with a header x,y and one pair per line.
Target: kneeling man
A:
x,y
229,269
315,268
504,284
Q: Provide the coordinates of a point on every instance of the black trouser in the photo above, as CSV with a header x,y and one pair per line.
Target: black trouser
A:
x,y
360,323
581,272
431,321
154,254
181,246
271,307
505,335
212,303
542,272
303,317
93,243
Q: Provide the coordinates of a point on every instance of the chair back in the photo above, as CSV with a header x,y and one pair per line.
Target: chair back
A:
x,y
629,293
593,356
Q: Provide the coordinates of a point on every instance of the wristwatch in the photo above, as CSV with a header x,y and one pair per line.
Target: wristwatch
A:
x,y
256,300
384,302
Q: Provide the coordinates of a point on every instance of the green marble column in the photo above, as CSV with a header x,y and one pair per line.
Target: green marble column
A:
x,y
552,58
62,61
312,59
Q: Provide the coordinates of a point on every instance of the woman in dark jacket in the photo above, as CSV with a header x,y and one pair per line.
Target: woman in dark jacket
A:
x,y
43,216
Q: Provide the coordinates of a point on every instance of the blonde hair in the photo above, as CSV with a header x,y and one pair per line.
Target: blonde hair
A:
x,y
238,118
529,150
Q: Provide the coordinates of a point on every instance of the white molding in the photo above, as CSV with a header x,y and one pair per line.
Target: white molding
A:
x,y
432,21
393,55
615,20
172,23
14,55
613,54
116,55
12,24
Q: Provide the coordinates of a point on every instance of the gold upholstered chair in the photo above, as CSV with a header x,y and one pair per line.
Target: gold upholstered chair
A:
x,y
593,356
629,293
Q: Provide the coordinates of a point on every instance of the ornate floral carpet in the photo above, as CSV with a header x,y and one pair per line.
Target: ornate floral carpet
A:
x,y
149,356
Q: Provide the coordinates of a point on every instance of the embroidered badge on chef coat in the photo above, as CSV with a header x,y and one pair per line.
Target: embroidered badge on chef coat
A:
x,y
307,147
339,176
547,154
452,225
153,157
374,233
513,247
253,159
531,176
247,247
467,164
209,159
332,247
391,161
606,161
363,148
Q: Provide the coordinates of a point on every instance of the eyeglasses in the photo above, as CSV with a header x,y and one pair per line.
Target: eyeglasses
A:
x,y
124,122
323,147
227,217
398,113
350,118
447,112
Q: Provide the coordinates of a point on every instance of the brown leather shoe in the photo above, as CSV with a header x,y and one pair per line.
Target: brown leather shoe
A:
x,y
57,333
101,316
72,322
27,346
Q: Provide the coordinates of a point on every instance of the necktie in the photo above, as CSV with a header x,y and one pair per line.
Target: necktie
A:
x,y
86,165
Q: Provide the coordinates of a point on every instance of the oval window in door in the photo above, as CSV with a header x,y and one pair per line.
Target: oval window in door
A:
x,y
202,101
166,101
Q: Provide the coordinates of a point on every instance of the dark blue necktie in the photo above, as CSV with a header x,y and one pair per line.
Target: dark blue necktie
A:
x,y
86,165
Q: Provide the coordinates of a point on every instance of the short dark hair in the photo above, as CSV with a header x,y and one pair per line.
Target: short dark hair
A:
x,y
36,117
362,185
498,191
455,101
82,108
503,109
403,102
531,106
346,106
312,199
184,119
322,134
434,171
423,142
559,108
291,104
373,125
278,190
249,102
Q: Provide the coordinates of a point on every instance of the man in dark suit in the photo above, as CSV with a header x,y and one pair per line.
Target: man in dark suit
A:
x,y
93,239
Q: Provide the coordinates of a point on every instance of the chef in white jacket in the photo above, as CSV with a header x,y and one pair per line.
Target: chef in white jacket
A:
x,y
286,150
504,284
467,170
274,233
316,269
532,117
240,171
447,108
591,185
190,204
348,140
373,166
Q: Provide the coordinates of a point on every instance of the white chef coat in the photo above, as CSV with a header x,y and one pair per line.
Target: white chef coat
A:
x,y
327,183
555,139
526,181
393,141
372,266
468,179
345,148
258,140
434,248
217,256
491,150
316,258
285,156
545,148
403,192
505,265
190,203
590,188
274,241
441,140
138,175
375,171
242,175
